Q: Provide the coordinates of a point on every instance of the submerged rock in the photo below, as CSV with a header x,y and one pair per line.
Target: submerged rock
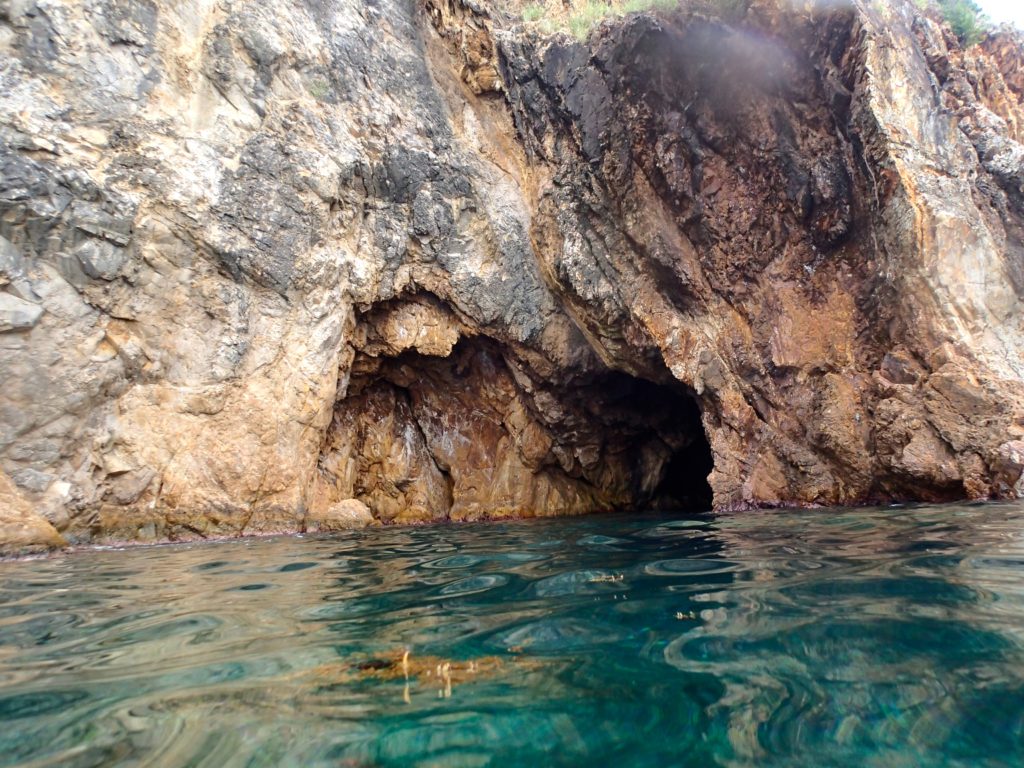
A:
x,y
281,256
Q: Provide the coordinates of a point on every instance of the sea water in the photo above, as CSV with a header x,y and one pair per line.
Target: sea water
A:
x,y
880,637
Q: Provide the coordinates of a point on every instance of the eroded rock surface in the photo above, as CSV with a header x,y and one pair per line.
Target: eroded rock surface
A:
x,y
22,530
346,515
261,260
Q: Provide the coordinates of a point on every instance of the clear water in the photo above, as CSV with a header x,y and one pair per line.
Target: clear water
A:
x,y
870,638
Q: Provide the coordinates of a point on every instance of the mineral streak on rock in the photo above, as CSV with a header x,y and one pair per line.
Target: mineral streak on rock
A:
x,y
261,264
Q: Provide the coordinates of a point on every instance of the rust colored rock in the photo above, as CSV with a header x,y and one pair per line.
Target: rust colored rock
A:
x,y
783,208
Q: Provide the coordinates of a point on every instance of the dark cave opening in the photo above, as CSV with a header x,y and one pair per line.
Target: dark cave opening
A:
x,y
478,433
666,415
684,486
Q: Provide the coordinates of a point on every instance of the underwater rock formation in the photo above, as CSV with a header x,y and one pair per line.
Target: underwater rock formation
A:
x,y
259,260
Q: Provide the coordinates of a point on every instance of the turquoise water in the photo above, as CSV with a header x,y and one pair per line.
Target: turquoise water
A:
x,y
890,637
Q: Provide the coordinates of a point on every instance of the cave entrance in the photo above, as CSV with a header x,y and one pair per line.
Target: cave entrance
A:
x,y
684,486
434,430
666,422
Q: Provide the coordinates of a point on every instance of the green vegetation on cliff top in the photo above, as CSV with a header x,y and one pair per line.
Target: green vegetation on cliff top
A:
x,y
579,17
968,21
966,17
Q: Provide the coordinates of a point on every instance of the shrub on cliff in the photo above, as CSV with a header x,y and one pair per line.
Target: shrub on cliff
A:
x,y
579,16
965,17
968,21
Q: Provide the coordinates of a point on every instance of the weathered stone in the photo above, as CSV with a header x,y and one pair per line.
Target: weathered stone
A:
x,y
32,480
346,515
17,314
11,262
22,531
100,259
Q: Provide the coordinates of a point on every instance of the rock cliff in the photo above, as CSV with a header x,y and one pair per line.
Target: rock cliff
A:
x,y
258,260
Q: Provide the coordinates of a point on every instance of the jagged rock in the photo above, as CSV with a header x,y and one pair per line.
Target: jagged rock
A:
x,y
22,531
415,254
17,314
11,262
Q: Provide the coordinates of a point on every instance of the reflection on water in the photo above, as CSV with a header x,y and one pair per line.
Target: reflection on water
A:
x,y
887,637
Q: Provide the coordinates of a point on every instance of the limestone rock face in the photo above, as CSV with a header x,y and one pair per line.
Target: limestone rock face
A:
x,y
258,260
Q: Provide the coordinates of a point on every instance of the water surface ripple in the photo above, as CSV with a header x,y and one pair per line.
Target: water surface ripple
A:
x,y
886,637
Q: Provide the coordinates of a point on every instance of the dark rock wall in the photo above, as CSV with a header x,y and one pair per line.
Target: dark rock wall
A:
x,y
799,215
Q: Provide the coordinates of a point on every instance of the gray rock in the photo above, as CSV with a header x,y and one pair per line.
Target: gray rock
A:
x,y
17,314
100,259
11,262
32,480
